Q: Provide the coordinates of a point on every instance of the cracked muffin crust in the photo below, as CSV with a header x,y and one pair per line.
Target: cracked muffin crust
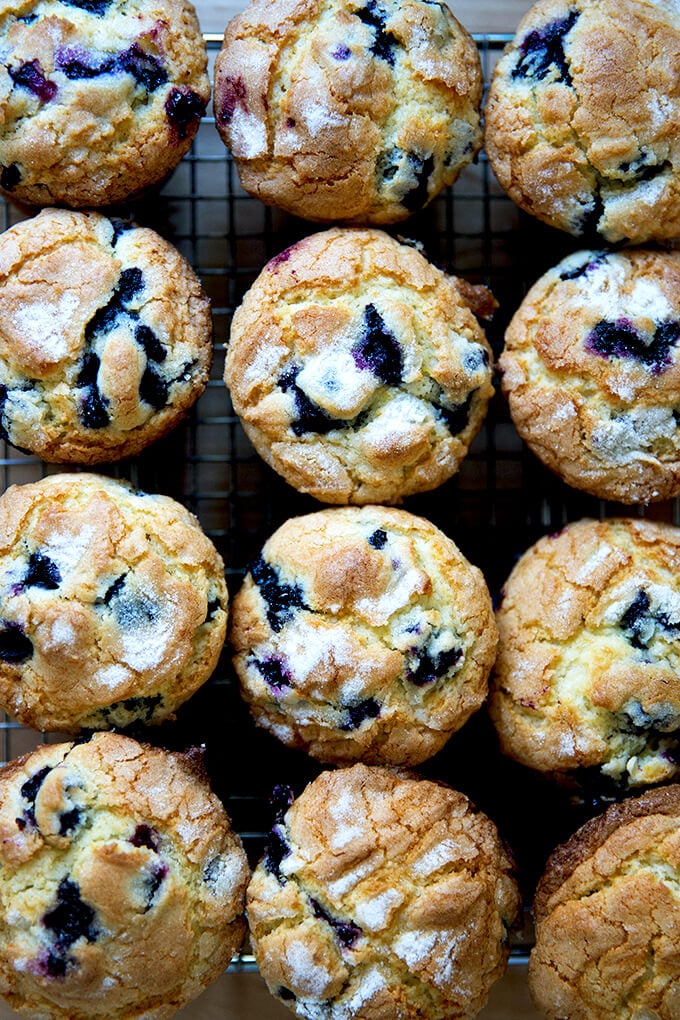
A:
x,y
381,895
589,653
105,337
608,916
591,369
113,604
121,84
358,369
582,122
362,633
123,884
348,112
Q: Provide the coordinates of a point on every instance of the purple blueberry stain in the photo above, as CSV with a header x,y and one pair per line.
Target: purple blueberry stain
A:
x,y
153,883
146,69
30,76
69,821
15,646
29,792
274,672
621,339
153,388
96,7
584,268
341,52
233,96
640,622
183,108
346,932
378,350
543,49
92,404
145,836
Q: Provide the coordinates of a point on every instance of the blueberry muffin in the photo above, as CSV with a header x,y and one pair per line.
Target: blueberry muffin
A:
x,y
362,633
358,369
592,372
123,884
99,99
608,916
359,111
589,654
582,122
381,895
105,337
112,604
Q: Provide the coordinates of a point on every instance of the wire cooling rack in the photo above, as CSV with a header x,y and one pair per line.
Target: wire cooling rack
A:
x,y
500,502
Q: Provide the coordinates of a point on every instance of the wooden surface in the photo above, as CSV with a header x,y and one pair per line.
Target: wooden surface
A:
x,y
475,15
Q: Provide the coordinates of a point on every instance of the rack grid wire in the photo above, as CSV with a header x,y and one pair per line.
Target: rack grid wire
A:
x,y
500,502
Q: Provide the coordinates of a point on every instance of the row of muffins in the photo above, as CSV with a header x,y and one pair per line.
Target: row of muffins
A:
x,y
380,894
358,634
358,112
359,370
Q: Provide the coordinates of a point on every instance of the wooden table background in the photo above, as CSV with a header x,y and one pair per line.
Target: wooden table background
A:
x,y
244,996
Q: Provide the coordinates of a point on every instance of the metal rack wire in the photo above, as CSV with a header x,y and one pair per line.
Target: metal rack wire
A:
x,y
500,502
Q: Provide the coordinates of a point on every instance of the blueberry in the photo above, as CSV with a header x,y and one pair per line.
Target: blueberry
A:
x,y
134,610
456,418
153,348
281,599
543,49
30,76
641,170
378,539
71,919
29,792
378,350
93,405
385,42
153,388
421,167
120,227
584,268
42,572
309,416
10,176
153,883
425,667
214,605
347,932
146,69
276,851
590,219
98,7
15,647
357,714
621,339
274,673
130,283
341,52
640,623
146,836
114,589
69,821
184,108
